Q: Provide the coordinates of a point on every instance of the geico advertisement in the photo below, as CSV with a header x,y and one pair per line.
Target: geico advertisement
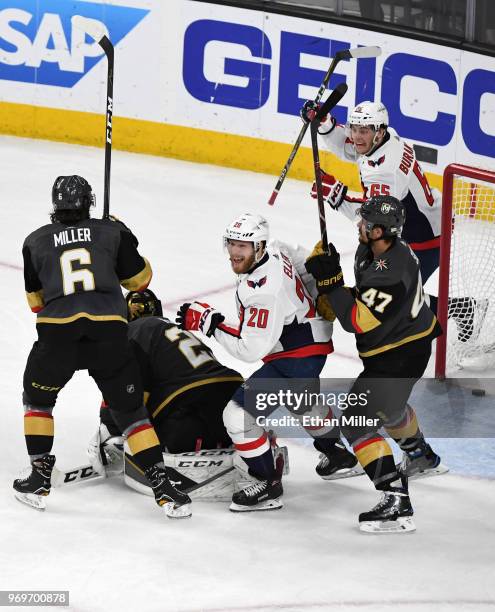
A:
x,y
252,71
241,71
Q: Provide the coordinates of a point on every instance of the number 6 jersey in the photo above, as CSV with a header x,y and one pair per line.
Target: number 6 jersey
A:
x,y
75,271
277,314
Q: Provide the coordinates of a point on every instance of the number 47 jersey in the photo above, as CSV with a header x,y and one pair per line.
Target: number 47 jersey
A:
x,y
277,313
389,309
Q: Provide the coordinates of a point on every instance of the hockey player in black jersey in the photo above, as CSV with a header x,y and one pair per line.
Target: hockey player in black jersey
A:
x,y
185,387
73,269
394,329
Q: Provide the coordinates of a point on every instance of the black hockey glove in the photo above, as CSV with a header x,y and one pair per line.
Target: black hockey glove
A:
x,y
325,268
309,110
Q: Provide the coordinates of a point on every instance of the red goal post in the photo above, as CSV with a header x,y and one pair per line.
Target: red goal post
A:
x,y
468,209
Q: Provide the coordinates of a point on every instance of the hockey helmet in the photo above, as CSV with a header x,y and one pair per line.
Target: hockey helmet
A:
x,y
143,304
386,212
249,228
72,193
373,114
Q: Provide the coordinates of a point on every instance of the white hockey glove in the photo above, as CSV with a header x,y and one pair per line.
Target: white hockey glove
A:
x,y
106,452
334,191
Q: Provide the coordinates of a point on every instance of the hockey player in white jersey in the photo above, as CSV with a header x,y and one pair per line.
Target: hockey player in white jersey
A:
x,y
387,166
278,324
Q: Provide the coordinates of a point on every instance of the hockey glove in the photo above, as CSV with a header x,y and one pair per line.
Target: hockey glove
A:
x,y
334,191
309,110
199,317
325,268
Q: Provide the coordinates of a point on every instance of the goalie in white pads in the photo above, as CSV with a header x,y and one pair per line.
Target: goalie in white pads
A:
x,y
278,324
186,390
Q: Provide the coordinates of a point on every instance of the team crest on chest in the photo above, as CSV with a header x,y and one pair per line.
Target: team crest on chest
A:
x,y
378,162
254,284
381,264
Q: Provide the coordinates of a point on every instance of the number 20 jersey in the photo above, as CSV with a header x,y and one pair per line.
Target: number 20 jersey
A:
x,y
277,314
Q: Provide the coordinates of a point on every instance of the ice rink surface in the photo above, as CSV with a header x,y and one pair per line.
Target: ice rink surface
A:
x,y
111,547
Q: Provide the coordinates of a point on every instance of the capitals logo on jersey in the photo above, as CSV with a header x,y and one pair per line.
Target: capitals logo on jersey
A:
x,y
377,162
254,284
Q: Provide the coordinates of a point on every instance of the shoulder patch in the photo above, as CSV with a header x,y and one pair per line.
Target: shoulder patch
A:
x,y
381,264
378,162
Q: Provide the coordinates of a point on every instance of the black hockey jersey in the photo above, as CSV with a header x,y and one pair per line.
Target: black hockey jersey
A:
x,y
173,361
75,271
386,308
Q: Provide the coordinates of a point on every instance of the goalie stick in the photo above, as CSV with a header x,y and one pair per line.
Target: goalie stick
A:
x,y
339,92
358,52
98,33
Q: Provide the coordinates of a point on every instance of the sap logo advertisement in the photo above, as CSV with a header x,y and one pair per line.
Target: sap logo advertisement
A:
x,y
43,43
254,75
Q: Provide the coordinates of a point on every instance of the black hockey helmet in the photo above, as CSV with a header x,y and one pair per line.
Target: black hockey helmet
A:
x,y
386,212
72,193
143,304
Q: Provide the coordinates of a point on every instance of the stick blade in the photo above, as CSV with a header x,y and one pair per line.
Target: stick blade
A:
x,y
94,28
365,52
332,101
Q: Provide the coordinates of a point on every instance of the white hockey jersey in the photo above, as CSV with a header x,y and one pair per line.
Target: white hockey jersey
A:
x,y
277,313
392,169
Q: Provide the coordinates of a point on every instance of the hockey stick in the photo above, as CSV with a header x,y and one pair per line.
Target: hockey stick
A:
x,y
358,52
340,89
98,33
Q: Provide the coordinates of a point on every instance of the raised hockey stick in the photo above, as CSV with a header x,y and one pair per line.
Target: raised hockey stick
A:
x,y
98,33
358,52
341,89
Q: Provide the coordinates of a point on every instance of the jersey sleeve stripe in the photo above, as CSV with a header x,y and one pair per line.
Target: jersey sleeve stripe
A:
x,y
139,281
35,300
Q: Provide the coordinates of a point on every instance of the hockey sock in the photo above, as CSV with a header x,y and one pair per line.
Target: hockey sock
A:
x,y
144,444
376,457
38,431
107,420
262,466
405,432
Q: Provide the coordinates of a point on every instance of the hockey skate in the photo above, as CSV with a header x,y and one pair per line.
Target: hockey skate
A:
x,y
34,488
261,495
392,514
337,463
421,463
175,503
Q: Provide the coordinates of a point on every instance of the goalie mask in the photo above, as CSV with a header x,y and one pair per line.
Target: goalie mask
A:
x,y
143,304
249,228
386,212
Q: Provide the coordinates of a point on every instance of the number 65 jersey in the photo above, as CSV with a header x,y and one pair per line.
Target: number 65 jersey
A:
x,y
277,313
386,309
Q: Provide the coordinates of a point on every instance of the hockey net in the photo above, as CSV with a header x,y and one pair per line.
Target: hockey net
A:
x,y
466,292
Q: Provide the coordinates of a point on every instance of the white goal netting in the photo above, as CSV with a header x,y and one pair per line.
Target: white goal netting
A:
x,y
471,302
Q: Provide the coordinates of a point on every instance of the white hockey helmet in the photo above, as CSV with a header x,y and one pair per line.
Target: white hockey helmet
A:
x,y
250,228
367,113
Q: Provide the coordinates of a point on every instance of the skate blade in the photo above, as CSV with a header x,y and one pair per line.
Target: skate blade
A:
x,y
440,469
345,473
177,512
32,500
403,524
270,504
